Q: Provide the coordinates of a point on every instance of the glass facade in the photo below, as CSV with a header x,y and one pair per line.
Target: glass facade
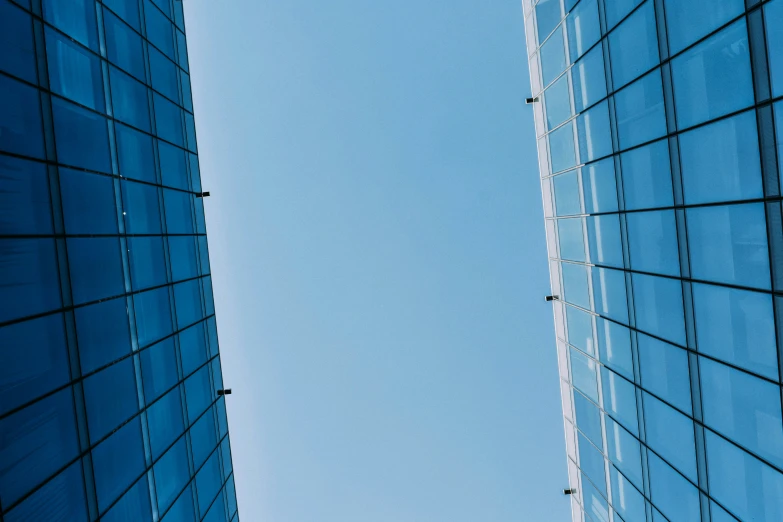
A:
x,y
659,127
109,364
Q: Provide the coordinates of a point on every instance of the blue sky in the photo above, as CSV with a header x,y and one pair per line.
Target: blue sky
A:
x,y
378,258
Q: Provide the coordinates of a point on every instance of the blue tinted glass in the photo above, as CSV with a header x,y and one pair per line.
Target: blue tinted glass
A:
x,y
179,217
135,154
128,10
33,361
182,251
82,137
203,437
553,58
37,441
165,421
110,398
583,374
633,46
76,18
594,503
140,208
589,79
713,78
571,238
103,333
16,40
773,15
659,309
129,99
182,50
689,20
779,125
729,244
665,372
212,334
164,6
198,390
88,203
171,474
626,499
164,75
640,112
208,482
187,100
195,176
610,294
742,483
677,498
588,419
548,14
20,119
624,451
652,238
670,434
168,120
193,348
558,103
603,236
575,284
25,207
173,166
591,461
59,500
616,10
187,296
600,187
74,72
28,279
124,46
619,399
153,315
217,512
720,162
614,346
159,30
736,326
580,329
567,194
583,28
158,369
647,180
134,506
221,414
719,514
95,268
217,373
561,146
744,408
182,510
117,462
147,261
198,207
225,449
595,135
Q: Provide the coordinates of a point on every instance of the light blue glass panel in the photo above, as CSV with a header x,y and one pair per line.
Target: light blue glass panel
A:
x,y
670,434
203,436
589,79
199,393
548,15
553,58
190,127
129,99
168,120
689,20
603,237
182,510
595,135
640,111
159,30
558,103
626,499
647,179
147,261
153,315
665,372
208,482
652,238
610,294
744,408
188,299
561,147
118,462
773,17
166,422
779,125
721,162
736,326
614,346
728,244
171,474
74,72
179,218
158,369
591,462
600,187
124,46
619,398
624,451
616,10
575,284
173,166
719,514
659,308
588,419
742,483
76,18
128,10
677,498
583,374
183,257
193,348
594,504
571,236
567,194
164,75
59,500
633,46
580,329
713,78
583,28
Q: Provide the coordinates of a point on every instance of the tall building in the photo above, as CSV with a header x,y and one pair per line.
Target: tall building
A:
x,y
109,365
661,173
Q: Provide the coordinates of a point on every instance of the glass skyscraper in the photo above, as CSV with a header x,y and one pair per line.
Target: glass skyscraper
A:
x,y
660,141
109,365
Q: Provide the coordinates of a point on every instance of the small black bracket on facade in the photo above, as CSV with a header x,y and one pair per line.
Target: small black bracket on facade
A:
x,y
570,491
552,298
227,391
528,101
202,194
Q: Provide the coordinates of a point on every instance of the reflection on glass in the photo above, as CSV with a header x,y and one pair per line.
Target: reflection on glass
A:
x,y
633,46
640,112
647,179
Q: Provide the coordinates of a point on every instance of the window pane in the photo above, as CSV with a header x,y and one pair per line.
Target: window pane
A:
x,y
217,512
659,309
173,167
594,504
571,238
610,294
158,369
103,333
182,250
561,145
153,315
677,498
168,120
583,28
548,14
74,72
773,16
16,40
135,154
198,390
600,187
182,50
129,98
76,18
28,278
652,238
626,499
171,474
575,284
713,78
640,112
203,436
95,268
591,462
165,422
689,20
128,10
140,208
589,79
624,451
193,348
25,207
187,296
665,372
567,194
647,180
195,175
117,462
88,203
580,329
720,162
729,244
82,137
588,419
182,510
59,500
619,399
614,346
634,46
187,98
20,119
208,482
124,46
595,136
133,506
583,374
553,59
558,103
179,217
159,30
670,434
164,75
744,408
616,10
110,398
603,235
147,261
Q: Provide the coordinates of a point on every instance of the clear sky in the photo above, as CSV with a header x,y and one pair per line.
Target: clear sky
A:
x,y
378,257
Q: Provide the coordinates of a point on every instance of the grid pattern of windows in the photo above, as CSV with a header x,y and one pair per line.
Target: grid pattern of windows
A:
x,y
659,127
109,360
